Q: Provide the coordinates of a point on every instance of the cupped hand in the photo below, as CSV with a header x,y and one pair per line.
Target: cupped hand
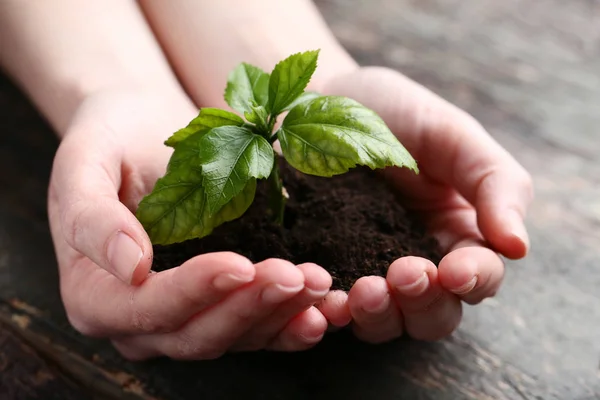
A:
x,y
470,192
111,156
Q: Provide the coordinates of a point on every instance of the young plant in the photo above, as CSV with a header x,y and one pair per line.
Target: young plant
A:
x,y
218,157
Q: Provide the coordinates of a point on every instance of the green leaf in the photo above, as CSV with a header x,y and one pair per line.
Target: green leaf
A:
x,y
330,134
177,209
186,154
289,79
230,157
237,206
208,118
303,98
259,117
247,84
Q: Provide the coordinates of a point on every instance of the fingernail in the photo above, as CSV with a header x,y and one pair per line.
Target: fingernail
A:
x,y
124,255
228,281
467,287
277,293
517,227
316,294
311,339
416,288
380,307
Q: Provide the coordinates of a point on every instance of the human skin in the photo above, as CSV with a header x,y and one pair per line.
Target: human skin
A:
x,y
116,78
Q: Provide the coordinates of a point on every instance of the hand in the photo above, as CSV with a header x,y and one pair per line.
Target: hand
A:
x,y
110,157
472,194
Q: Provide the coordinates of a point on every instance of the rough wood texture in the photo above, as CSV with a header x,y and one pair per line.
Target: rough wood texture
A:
x,y
529,72
25,375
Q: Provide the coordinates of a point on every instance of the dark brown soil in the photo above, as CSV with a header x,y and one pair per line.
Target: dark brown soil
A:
x,y
352,225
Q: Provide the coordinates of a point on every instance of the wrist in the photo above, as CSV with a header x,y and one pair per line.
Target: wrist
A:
x,y
76,92
111,109
62,52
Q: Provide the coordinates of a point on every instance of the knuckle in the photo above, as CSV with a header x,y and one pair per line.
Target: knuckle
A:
x,y
247,315
188,348
143,322
146,321
71,220
149,323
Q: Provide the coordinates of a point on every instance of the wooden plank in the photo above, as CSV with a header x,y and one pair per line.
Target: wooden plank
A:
x,y
452,369
35,365
25,375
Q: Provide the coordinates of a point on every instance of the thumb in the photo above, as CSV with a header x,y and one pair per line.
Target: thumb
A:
x,y
85,186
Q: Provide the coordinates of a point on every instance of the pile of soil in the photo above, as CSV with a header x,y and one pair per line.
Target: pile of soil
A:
x,y
352,225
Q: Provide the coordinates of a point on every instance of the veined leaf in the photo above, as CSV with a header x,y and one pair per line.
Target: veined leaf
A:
x,y
177,209
247,84
230,157
331,134
289,79
208,118
186,154
303,98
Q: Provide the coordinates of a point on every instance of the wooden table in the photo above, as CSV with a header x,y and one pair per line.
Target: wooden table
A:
x,y
530,72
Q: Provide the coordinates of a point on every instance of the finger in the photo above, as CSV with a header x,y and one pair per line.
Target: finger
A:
x,y
317,282
469,269
335,308
461,153
455,227
85,185
301,333
376,319
430,312
106,307
472,273
211,333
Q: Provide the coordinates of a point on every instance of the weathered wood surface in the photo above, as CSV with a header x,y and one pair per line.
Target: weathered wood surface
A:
x,y
23,373
530,72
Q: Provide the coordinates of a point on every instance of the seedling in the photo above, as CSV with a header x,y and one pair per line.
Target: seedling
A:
x,y
218,157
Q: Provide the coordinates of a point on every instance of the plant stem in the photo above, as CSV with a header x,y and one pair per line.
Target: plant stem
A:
x,y
271,123
277,194
273,138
